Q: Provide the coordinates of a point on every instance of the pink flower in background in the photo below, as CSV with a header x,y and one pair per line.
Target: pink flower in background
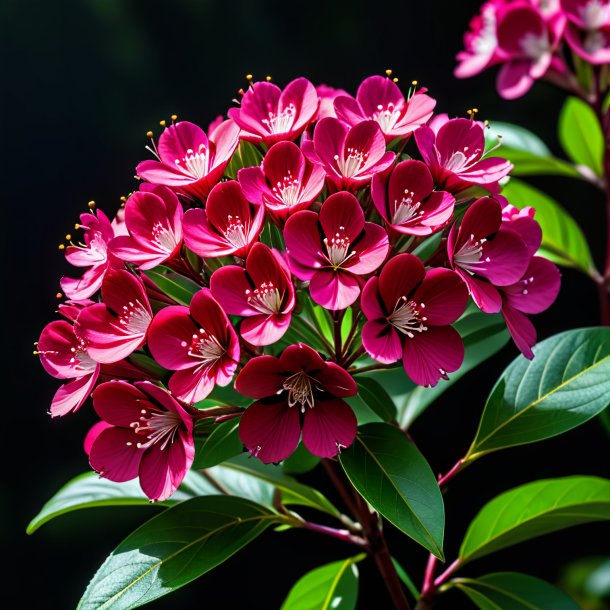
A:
x,y
334,249
145,433
153,217
588,30
198,342
262,293
408,313
455,156
285,182
228,225
116,327
296,393
379,99
485,256
64,355
190,162
327,97
406,201
350,156
93,253
267,114
523,224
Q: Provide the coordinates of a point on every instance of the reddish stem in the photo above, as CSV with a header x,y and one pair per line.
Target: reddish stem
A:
x,y
343,535
445,478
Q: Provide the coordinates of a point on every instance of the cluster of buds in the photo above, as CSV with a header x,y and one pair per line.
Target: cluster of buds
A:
x,y
303,199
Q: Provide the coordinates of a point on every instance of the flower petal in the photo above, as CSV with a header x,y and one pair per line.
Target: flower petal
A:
x,y
329,427
71,396
521,330
381,341
113,458
444,295
538,288
334,289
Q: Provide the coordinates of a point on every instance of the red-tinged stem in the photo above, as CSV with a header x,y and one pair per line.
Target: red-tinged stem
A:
x,y
352,333
428,583
227,417
359,352
343,535
372,367
338,349
445,478
442,579
341,486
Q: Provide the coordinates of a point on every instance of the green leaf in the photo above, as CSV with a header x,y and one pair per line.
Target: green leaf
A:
x,y
428,247
581,135
563,241
223,396
566,384
333,586
174,548
246,155
375,397
302,460
89,490
535,509
513,591
393,476
174,285
406,579
222,444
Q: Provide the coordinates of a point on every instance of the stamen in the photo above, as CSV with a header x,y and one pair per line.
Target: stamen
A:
x,y
300,390
337,248
266,298
406,317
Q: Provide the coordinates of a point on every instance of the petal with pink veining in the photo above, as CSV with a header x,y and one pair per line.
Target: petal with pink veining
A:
x,y
113,457
485,295
334,289
461,136
329,140
336,380
191,385
264,330
201,238
370,301
261,377
398,278
366,137
329,427
71,395
304,244
230,286
93,433
444,295
223,141
119,403
426,143
381,341
349,110
538,288
170,336
371,249
521,330
504,259
376,91
342,214
179,138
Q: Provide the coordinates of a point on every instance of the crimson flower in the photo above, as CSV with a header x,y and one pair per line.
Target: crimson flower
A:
x,y
267,114
408,313
117,327
262,293
379,99
198,342
145,433
285,182
334,249
588,29
190,162
297,392
406,201
350,156
228,225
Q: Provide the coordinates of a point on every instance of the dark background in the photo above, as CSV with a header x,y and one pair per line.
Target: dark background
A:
x,y
82,81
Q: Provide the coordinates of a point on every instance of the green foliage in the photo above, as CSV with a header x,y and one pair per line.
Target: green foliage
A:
x,y
174,285
222,444
246,155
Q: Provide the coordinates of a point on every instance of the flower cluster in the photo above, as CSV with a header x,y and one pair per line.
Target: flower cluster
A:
x,y
527,38
306,204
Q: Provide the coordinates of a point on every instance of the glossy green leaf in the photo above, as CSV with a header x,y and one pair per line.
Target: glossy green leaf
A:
x,y
376,398
222,444
246,155
566,384
302,460
89,490
333,586
406,579
174,548
223,396
513,591
563,241
393,476
428,247
535,509
581,135
174,285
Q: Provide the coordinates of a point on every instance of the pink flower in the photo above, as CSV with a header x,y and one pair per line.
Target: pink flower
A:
x,y
525,39
406,201
64,355
408,313
350,156
190,162
93,254
334,249
262,293
523,224
117,327
145,433
153,217
267,114
327,97
485,256
198,342
228,225
379,99
588,30
285,182
297,392
455,156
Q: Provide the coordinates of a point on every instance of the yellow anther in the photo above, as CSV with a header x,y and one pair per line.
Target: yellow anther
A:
x,y
35,352
249,77
76,226
414,83
149,134
475,110
35,342
388,72
394,80
162,123
123,198
61,247
91,205
68,237
268,78
174,117
59,295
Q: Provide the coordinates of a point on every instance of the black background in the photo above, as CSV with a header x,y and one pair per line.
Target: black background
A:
x,y
82,81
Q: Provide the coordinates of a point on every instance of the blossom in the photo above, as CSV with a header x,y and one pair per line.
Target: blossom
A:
x,y
350,156
485,256
262,293
588,30
64,355
455,156
296,393
334,249
145,434
198,342
285,182
153,218
408,313
189,161
116,327
379,99
228,225
93,253
327,97
406,201
267,114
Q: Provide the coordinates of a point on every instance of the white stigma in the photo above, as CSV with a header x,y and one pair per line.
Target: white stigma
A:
x,y
287,190
388,116
195,163
350,165
236,233
300,390
407,318
135,318
282,122
266,299
158,426
406,209
206,348
468,257
164,237
338,248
